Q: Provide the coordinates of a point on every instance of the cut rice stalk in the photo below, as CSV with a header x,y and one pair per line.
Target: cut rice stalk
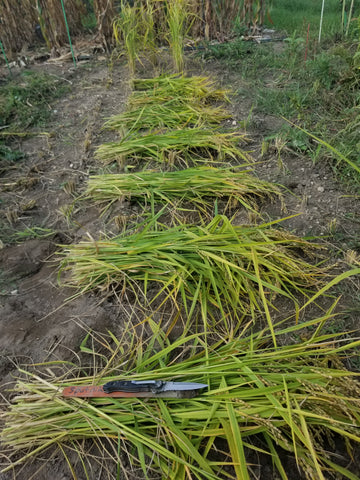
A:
x,y
199,186
183,145
222,267
179,86
292,399
171,114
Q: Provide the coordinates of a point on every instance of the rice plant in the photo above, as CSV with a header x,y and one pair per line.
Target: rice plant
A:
x,y
200,186
147,15
177,16
221,268
134,29
184,146
127,30
273,404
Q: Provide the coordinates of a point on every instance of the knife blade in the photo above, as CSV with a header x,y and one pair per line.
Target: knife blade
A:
x,y
136,388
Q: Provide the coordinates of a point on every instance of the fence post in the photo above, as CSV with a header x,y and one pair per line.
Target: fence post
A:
x,y
6,60
68,32
321,19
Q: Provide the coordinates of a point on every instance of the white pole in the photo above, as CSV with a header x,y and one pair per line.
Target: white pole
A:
x,y
321,19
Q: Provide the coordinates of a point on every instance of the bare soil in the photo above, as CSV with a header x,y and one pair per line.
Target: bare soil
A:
x,y
37,323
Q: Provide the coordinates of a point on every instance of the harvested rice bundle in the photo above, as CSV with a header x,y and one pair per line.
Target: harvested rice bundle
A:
x,y
171,114
200,186
290,399
220,266
184,145
179,86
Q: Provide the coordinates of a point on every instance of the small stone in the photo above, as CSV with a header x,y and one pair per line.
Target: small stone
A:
x,y
13,292
321,189
234,122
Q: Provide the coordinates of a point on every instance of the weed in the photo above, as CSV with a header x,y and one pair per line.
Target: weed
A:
x,y
26,102
8,157
233,52
33,232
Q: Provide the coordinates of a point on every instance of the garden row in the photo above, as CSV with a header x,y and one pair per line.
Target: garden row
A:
x,y
266,395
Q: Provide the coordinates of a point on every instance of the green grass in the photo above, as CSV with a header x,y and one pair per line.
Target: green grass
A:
x,y
304,13
319,95
24,104
24,101
294,401
8,156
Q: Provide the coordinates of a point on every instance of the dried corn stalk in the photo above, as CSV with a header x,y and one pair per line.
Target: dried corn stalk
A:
x,y
18,19
105,14
52,22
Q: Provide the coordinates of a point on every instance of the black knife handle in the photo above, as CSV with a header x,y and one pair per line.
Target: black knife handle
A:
x,y
132,386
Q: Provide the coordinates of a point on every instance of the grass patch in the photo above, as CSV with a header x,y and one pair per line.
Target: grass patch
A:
x,y
25,101
272,403
304,13
314,86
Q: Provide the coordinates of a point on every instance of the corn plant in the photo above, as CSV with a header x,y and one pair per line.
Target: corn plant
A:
x,y
253,14
200,186
183,146
219,267
260,401
105,12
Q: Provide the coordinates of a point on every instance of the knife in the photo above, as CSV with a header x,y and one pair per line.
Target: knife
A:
x,y
136,388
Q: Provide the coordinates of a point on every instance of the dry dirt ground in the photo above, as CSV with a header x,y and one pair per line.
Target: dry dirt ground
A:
x,y
36,321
